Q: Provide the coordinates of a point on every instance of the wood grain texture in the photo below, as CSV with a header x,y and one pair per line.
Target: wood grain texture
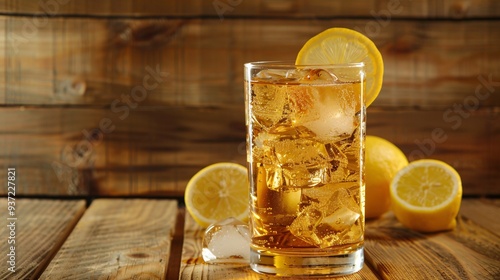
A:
x,y
156,151
40,230
168,77
483,212
288,8
467,252
121,63
132,239
151,152
174,262
118,239
193,266
467,143
470,251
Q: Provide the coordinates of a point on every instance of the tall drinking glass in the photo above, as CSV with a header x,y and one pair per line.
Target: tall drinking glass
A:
x,y
305,149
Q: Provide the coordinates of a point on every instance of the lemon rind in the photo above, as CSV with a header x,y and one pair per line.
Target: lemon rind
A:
x,y
366,42
457,191
197,216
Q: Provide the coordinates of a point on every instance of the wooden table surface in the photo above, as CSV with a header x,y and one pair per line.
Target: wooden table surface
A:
x,y
156,239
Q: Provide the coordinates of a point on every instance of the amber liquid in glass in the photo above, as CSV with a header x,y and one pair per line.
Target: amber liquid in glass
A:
x,y
305,154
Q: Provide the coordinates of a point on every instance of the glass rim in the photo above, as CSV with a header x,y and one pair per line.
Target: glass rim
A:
x,y
278,64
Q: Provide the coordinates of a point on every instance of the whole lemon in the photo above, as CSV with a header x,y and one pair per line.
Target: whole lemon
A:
x,y
383,160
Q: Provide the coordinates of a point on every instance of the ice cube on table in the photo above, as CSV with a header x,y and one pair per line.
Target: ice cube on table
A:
x,y
227,241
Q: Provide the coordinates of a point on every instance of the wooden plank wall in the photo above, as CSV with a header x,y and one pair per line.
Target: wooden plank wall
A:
x,y
131,98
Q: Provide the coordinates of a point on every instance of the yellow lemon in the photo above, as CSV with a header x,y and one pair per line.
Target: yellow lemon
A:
x,y
383,160
218,191
343,45
426,195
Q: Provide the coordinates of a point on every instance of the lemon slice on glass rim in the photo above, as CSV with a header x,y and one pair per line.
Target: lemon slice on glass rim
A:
x,y
340,46
217,192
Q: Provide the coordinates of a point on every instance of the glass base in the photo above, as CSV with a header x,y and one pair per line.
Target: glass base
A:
x,y
306,265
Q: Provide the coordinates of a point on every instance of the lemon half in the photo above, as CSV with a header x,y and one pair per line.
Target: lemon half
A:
x,y
426,195
217,192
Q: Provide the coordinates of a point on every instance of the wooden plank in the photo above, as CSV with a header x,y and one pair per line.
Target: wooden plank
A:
x,y
118,239
152,152
193,266
475,248
468,252
438,135
482,212
224,8
156,151
174,262
40,228
115,62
